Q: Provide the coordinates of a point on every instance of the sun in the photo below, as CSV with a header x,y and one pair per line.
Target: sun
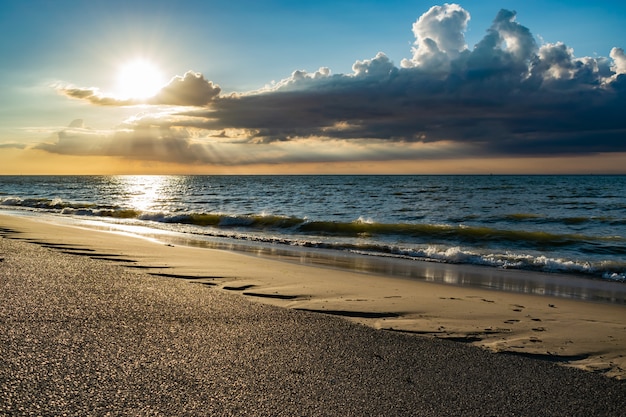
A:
x,y
139,79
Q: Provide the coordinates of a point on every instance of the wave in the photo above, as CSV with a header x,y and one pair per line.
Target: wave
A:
x,y
360,228
43,203
613,271
478,245
543,219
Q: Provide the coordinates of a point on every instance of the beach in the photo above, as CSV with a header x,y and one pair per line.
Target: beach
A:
x,y
95,322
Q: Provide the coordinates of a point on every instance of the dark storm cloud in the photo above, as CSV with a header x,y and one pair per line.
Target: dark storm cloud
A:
x,y
506,96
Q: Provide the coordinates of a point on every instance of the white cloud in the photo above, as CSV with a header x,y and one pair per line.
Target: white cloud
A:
x,y
439,37
619,60
378,67
192,89
517,38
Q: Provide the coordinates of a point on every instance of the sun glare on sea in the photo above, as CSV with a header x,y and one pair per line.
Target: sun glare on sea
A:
x,y
143,192
139,79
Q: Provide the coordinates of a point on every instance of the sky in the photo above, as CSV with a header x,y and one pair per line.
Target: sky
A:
x,y
312,87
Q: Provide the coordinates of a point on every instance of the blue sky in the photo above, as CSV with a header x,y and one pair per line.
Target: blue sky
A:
x,y
244,44
49,47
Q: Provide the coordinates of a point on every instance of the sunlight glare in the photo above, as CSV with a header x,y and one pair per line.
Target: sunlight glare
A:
x,y
143,192
139,79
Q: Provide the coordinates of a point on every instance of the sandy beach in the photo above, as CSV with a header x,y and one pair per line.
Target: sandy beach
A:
x,y
96,322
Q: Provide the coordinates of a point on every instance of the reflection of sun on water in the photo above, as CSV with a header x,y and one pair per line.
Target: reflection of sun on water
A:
x,y
144,192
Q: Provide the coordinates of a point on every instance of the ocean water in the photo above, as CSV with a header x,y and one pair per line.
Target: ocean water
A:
x,y
573,225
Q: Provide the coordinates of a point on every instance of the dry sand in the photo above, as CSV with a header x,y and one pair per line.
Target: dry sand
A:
x,y
95,322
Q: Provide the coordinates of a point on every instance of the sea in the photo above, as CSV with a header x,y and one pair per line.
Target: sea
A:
x,y
571,228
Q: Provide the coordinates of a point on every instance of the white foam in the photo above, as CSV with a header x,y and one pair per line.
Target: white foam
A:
x,y
11,201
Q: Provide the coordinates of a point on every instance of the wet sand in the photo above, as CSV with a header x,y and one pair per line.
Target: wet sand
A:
x,y
95,322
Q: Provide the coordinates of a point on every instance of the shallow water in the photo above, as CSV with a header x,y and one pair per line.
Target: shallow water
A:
x,y
572,225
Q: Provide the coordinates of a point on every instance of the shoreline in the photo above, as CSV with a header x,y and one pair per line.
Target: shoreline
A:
x,y
535,326
556,284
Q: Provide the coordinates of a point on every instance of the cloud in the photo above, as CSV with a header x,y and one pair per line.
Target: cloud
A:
x,y
12,145
506,96
143,143
94,96
439,37
619,60
192,89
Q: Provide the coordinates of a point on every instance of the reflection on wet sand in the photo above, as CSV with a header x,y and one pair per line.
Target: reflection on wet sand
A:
x,y
443,273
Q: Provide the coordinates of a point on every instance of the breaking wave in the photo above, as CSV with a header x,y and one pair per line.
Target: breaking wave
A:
x,y
450,243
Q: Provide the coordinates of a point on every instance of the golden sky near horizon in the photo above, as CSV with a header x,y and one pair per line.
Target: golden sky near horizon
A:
x,y
41,163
